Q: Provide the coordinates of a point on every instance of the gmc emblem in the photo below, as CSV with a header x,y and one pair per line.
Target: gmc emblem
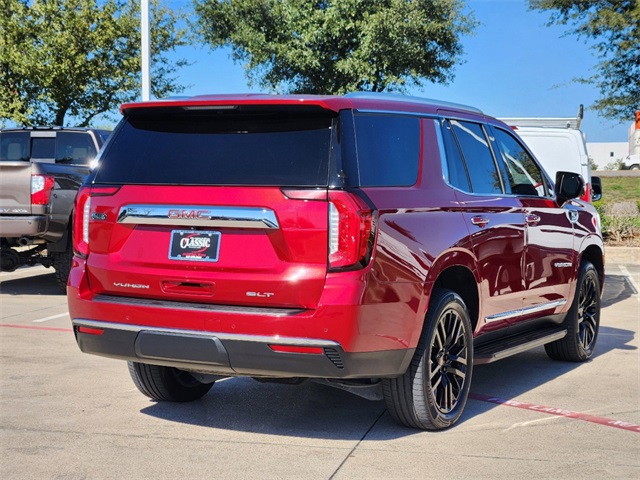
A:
x,y
175,214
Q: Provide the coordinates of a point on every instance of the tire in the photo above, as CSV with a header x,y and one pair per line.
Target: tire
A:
x,y
635,166
62,266
582,321
432,393
167,384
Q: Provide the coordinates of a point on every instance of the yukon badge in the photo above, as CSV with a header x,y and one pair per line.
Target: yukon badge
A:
x,y
130,285
562,264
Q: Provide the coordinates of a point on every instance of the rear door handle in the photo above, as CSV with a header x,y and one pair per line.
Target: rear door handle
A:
x,y
532,219
480,221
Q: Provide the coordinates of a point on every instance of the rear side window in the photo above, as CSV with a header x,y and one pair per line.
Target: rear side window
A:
x,y
524,174
74,148
478,158
388,149
456,171
220,148
14,146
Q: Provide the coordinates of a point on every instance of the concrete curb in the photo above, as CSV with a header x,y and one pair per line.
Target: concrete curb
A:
x,y
622,255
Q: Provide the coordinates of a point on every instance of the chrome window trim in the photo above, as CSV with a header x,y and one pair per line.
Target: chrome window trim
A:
x,y
274,339
370,111
208,216
525,311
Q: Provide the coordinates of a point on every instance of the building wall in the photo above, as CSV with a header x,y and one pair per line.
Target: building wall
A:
x,y
606,153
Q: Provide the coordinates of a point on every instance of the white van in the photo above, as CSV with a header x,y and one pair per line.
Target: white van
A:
x,y
559,145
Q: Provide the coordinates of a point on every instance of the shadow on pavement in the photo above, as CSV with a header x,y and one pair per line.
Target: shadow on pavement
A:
x,y
616,289
44,284
315,411
308,410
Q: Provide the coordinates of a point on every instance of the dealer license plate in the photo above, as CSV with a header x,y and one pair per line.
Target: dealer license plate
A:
x,y
195,245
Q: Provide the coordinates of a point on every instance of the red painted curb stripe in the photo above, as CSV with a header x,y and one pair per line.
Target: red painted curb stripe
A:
x,y
33,327
631,427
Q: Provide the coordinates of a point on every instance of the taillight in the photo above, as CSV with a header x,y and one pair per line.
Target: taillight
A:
x,y
350,231
41,186
586,196
82,216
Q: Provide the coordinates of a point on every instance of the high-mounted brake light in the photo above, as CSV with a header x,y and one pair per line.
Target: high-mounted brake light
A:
x,y
350,230
41,186
82,216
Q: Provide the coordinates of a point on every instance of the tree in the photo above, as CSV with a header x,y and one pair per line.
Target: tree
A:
x,y
615,27
336,46
79,58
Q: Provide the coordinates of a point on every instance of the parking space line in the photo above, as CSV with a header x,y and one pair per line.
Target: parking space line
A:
x,y
52,317
629,279
631,427
34,327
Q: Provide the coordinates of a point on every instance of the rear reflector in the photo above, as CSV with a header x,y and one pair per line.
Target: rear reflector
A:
x,y
296,349
90,331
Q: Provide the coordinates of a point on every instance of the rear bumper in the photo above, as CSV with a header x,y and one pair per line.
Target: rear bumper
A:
x,y
235,354
23,226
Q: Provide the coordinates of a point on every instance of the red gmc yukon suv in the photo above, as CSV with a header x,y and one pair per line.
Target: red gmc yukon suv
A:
x,y
378,243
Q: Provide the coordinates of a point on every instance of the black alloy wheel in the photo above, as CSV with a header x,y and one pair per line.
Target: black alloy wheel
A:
x,y
582,321
432,393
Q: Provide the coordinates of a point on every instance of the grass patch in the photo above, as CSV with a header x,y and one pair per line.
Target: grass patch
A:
x,y
619,210
620,189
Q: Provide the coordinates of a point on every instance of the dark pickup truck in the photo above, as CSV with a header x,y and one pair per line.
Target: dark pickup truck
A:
x,y
41,170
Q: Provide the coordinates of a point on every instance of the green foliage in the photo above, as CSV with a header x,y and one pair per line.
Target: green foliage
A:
x,y
79,58
621,221
337,46
615,27
619,210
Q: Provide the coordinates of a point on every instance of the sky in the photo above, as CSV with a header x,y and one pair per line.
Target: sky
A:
x,y
514,66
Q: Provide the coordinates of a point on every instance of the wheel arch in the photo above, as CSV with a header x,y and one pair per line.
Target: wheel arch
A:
x,y
457,271
594,254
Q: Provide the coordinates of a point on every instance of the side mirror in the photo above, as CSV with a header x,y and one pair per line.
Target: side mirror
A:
x,y
568,185
596,189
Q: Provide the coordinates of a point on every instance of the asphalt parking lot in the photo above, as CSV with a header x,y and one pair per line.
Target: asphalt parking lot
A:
x,y
66,415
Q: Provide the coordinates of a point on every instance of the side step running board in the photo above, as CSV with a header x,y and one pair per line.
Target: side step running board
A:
x,y
510,346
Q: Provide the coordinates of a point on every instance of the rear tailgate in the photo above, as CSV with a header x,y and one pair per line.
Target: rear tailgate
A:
x,y
15,173
222,206
244,246
15,185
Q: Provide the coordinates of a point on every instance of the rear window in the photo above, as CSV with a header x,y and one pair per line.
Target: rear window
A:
x,y
220,148
75,148
61,147
14,146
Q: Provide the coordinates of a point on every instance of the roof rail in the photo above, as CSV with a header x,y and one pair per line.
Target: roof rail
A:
x,y
573,123
410,99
